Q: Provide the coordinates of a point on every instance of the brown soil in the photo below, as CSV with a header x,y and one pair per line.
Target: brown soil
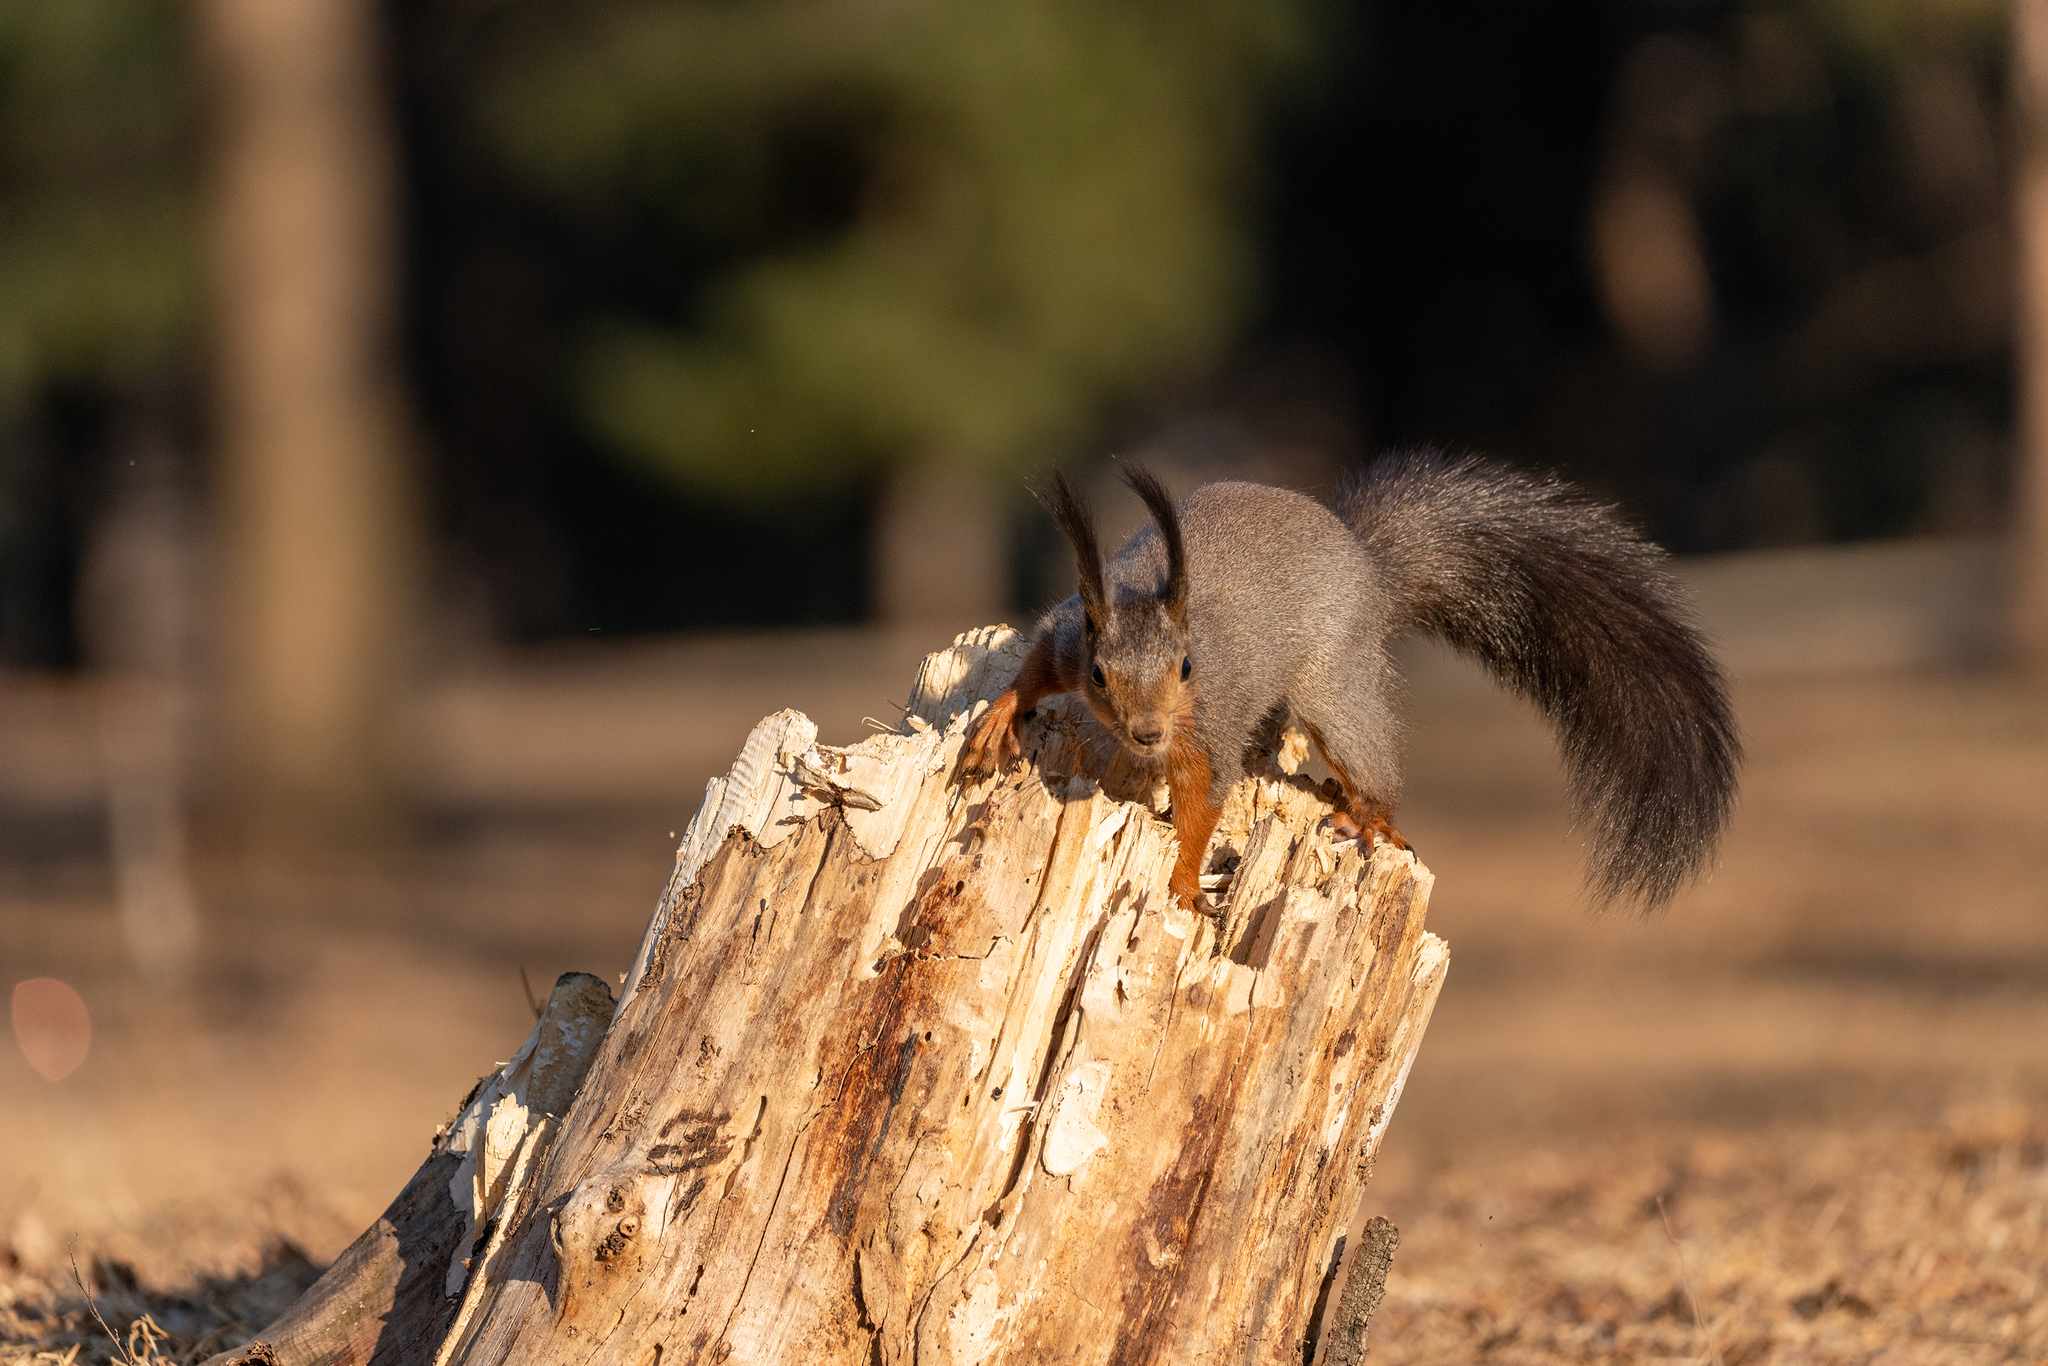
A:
x,y
1800,1117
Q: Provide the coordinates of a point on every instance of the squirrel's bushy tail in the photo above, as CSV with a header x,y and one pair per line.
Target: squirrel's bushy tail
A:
x,y
1575,611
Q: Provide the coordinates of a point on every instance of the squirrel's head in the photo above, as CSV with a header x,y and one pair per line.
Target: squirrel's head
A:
x,y
1140,678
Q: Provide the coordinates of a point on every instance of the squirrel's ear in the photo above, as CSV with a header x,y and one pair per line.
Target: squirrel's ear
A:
x,y
1057,497
1160,503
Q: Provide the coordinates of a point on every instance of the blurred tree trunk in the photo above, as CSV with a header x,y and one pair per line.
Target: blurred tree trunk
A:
x,y
315,517
137,611
2030,199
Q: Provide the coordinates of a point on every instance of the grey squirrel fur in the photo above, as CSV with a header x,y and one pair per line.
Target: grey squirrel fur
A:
x,y
1245,603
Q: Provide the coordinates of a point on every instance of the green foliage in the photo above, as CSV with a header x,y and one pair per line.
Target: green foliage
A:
x,y
1042,211
98,255
1888,33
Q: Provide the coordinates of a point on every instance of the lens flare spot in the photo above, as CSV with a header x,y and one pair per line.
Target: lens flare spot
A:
x,y
51,1026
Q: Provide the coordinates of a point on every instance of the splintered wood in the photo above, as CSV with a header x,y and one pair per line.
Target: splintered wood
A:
x,y
915,1073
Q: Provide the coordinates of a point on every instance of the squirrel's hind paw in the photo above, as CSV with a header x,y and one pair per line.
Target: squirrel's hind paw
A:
x,y
1373,830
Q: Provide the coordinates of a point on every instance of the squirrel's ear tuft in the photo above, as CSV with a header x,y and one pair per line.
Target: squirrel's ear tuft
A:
x,y
1071,517
1147,486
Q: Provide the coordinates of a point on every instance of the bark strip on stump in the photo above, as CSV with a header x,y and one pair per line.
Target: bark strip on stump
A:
x,y
1357,1288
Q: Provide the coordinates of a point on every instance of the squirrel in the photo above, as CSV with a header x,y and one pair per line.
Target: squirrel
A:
x,y
1246,603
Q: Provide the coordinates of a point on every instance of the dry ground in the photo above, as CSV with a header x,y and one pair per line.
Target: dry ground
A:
x,y
1801,1117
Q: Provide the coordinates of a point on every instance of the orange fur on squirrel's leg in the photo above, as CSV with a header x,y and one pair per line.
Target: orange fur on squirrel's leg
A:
x,y
1188,776
995,742
1362,817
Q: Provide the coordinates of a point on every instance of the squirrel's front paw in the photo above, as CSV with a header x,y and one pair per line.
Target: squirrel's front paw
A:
x,y
1185,887
994,745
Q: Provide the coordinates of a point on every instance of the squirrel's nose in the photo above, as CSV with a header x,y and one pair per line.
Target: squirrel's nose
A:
x,y
1147,730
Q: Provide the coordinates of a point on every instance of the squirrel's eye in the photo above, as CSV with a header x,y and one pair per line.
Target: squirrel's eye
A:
x,y
1187,666
1096,675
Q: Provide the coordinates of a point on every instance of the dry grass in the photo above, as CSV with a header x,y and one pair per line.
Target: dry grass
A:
x,y
1927,1247
1922,1246
98,1314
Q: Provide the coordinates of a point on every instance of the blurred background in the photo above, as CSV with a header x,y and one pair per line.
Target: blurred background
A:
x,y
432,433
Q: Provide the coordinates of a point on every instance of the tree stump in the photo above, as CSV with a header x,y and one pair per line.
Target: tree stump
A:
x,y
907,1071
